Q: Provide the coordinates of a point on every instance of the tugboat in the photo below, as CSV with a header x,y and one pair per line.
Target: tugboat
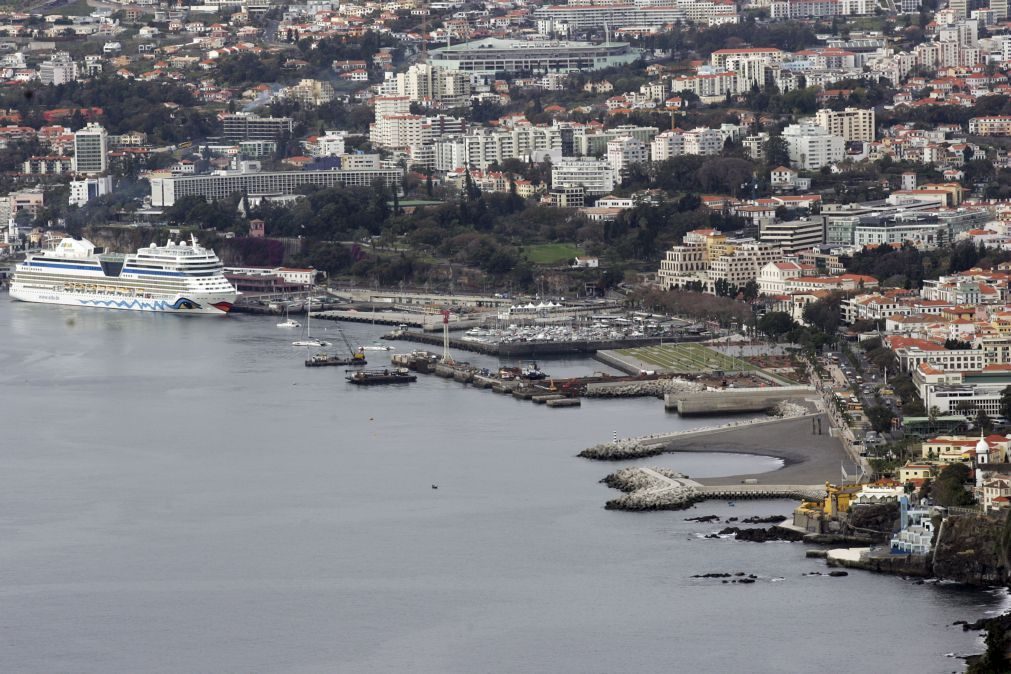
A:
x,y
399,375
534,373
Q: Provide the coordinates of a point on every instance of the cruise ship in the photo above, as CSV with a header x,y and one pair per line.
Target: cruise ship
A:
x,y
177,278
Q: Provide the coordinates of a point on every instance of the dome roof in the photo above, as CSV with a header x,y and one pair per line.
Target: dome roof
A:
x,y
981,446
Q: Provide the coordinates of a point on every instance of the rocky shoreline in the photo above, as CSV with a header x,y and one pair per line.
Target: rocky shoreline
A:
x,y
645,492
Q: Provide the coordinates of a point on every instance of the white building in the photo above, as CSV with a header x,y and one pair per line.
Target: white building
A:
x,y
795,235
330,144
492,55
811,146
59,69
675,143
595,176
84,190
624,152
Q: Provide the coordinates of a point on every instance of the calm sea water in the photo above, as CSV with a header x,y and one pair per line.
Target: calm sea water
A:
x,y
183,495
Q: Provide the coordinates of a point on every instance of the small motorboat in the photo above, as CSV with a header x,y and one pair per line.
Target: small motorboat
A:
x,y
289,324
378,347
310,342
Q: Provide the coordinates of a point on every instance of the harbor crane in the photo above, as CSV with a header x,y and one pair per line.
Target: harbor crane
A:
x,y
356,355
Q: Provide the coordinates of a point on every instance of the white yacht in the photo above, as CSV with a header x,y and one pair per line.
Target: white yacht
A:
x,y
176,278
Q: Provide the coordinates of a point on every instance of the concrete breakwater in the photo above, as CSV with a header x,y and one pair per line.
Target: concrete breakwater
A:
x,y
658,443
534,349
665,489
727,401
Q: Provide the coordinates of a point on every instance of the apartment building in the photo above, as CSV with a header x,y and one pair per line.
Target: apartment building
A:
x,y
706,256
595,176
51,165
675,143
623,153
811,146
440,87
59,69
310,92
996,125
849,124
249,126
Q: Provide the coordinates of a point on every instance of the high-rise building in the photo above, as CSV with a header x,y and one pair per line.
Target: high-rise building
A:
x,y
849,124
91,150
999,9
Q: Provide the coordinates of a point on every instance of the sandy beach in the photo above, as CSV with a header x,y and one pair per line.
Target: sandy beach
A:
x,y
809,459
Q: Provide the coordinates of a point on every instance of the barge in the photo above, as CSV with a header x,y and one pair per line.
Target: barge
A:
x,y
398,375
329,360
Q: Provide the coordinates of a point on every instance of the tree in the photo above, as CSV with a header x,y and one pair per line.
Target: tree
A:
x,y
949,487
775,324
825,314
881,418
777,152
750,291
983,421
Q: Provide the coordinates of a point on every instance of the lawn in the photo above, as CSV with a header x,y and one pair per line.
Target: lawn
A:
x,y
551,253
687,357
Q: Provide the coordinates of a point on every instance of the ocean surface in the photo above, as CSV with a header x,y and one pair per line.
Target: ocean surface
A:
x,y
183,495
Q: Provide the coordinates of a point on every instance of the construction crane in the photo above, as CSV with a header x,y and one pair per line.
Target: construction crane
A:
x,y
356,355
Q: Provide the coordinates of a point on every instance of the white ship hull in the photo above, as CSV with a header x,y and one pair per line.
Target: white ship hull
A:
x,y
176,278
178,304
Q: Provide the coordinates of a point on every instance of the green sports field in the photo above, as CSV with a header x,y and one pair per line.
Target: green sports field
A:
x,y
691,358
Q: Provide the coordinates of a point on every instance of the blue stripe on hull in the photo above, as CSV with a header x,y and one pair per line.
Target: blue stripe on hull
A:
x,y
182,304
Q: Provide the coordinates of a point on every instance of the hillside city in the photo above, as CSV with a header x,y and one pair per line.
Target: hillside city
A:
x,y
831,175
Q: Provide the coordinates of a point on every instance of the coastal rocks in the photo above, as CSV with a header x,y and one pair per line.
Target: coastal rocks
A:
x,y
634,479
763,535
969,550
703,518
772,519
830,574
740,577
788,410
998,635
873,523
650,489
654,387
621,450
